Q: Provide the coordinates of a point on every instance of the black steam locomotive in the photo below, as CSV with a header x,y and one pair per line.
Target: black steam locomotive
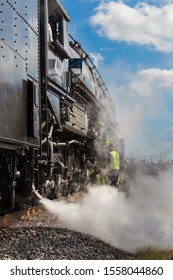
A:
x,y
52,98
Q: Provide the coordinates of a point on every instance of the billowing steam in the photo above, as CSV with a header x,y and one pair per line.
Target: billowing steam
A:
x,y
145,218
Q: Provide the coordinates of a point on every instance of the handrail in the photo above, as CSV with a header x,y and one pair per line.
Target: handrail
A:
x,y
90,64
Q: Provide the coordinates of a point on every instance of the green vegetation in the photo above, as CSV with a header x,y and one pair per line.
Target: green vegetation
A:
x,y
153,254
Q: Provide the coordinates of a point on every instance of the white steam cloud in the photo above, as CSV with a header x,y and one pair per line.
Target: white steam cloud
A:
x,y
145,218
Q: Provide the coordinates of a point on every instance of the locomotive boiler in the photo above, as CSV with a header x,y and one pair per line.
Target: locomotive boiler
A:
x,y
52,98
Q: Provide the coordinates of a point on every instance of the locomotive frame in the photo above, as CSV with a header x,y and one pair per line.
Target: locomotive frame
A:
x,y
52,98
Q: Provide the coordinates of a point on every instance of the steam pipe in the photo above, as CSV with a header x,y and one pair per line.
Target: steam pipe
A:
x,y
64,144
50,132
43,125
75,142
50,173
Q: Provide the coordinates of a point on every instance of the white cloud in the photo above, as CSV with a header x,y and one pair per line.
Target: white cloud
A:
x,y
97,58
150,82
143,24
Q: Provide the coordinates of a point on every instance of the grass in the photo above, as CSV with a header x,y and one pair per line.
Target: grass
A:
x,y
153,254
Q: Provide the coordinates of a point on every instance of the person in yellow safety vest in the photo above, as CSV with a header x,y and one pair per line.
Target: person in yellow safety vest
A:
x,y
105,142
113,165
100,180
105,139
97,176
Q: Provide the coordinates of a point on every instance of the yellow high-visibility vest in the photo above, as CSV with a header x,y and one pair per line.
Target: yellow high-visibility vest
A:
x,y
105,139
114,161
100,180
106,142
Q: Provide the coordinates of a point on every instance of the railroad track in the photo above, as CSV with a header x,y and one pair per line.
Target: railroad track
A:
x,y
24,214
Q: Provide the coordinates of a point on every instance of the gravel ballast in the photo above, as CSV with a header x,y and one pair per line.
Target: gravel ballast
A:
x,y
43,238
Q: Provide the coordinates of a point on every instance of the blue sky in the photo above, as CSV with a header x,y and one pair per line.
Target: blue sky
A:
x,y
131,42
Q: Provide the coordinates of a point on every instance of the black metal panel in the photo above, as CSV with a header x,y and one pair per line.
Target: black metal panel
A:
x,y
19,30
13,29
19,57
32,19
27,9
12,95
